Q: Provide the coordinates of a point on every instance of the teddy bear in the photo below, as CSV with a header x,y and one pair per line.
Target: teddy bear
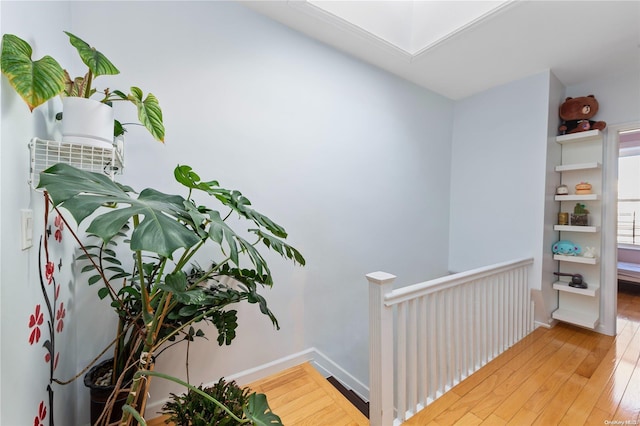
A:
x,y
576,114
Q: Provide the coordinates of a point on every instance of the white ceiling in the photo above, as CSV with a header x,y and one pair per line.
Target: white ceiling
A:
x,y
577,40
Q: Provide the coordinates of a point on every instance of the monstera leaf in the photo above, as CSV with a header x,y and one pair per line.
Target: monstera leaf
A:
x,y
35,81
258,411
82,193
169,222
230,198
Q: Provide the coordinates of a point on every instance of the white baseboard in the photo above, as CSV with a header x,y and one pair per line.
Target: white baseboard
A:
x,y
270,368
320,362
537,324
327,368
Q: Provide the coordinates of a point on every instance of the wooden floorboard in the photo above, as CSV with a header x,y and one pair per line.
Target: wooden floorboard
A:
x,y
561,376
302,396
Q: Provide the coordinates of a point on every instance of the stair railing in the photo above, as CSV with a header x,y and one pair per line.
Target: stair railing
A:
x,y
427,337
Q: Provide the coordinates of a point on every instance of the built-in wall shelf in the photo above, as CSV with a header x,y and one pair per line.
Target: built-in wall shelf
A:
x,y
569,228
591,290
581,160
583,319
582,166
582,197
589,135
576,259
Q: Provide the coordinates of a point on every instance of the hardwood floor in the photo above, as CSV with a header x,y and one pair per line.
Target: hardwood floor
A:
x,y
561,376
302,397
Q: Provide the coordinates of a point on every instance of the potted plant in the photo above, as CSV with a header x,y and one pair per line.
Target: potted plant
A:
x,y
211,406
163,296
580,215
40,80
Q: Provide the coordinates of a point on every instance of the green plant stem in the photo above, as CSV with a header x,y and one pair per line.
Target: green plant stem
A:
x,y
88,82
129,409
194,389
146,307
158,274
135,391
187,255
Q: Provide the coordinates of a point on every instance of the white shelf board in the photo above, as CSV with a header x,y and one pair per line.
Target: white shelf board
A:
x,y
591,290
589,135
576,259
569,228
582,166
575,197
583,319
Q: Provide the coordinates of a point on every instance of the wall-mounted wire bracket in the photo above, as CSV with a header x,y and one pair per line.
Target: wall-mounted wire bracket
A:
x,y
45,153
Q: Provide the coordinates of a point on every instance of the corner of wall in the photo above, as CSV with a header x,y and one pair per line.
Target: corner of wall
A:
x,y
543,293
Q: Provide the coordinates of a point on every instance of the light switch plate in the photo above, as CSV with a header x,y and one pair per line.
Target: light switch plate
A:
x,y
26,219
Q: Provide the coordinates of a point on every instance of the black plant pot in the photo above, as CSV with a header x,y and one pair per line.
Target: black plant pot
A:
x,y
100,394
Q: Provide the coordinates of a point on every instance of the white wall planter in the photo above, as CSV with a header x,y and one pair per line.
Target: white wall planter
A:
x,y
87,122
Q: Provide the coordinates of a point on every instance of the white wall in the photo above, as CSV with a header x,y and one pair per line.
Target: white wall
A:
x,y
24,370
503,142
545,298
618,96
497,175
352,161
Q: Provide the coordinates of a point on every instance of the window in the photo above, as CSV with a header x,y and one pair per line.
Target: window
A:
x,y
629,188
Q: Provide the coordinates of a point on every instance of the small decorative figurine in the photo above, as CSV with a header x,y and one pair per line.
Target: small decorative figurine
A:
x,y
576,279
583,188
562,190
566,247
589,252
563,218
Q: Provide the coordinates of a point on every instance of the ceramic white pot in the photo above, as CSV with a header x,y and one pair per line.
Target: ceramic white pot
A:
x,y
87,122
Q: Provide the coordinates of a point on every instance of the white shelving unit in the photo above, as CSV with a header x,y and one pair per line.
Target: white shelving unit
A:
x,y
581,162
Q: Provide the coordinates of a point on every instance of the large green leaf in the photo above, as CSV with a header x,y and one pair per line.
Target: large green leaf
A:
x,y
35,81
220,232
82,193
284,249
96,61
149,112
230,198
258,411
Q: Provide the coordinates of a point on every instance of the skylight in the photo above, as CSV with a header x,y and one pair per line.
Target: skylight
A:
x,y
410,25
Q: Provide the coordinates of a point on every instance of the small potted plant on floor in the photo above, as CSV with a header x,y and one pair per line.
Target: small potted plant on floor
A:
x,y
85,119
222,404
164,296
